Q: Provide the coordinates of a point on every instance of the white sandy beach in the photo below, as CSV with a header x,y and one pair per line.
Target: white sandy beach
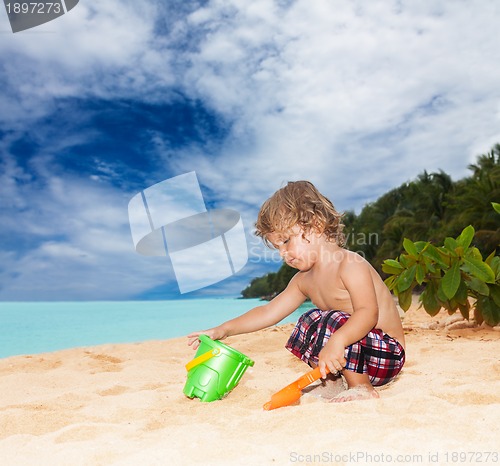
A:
x,y
123,405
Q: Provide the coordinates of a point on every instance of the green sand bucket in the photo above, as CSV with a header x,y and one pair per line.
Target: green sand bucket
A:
x,y
215,370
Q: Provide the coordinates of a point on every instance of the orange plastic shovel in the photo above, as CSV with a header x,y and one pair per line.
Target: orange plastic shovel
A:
x,y
291,393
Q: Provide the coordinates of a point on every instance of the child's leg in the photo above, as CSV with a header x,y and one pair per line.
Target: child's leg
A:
x,y
374,360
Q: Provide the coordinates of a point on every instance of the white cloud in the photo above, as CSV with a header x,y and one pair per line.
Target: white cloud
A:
x,y
348,97
357,97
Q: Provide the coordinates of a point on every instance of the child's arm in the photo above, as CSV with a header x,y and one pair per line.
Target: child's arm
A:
x,y
357,279
259,317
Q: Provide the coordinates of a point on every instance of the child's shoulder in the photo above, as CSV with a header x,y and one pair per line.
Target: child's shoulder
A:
x,y
344,255
351,261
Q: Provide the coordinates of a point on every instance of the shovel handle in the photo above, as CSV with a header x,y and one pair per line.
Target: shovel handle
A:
x,y
309,378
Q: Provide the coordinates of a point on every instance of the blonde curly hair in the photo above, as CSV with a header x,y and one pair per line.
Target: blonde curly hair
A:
x,y
300,203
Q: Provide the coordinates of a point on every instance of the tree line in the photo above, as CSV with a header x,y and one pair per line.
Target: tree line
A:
x,y
429,208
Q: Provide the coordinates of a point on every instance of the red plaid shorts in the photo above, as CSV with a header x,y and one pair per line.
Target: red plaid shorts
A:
x,y
378,354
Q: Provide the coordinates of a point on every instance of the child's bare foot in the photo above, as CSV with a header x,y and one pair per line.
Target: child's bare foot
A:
x,y
361,392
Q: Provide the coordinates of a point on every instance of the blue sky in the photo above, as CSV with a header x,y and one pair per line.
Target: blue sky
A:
x,y
115,96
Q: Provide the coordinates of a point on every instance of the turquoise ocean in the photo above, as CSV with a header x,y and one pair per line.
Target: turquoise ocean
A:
x,y
40,327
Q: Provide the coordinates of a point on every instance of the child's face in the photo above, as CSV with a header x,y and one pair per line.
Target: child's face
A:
x,y
295,247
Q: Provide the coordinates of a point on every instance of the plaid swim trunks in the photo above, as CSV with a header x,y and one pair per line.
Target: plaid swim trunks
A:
x,y
378,354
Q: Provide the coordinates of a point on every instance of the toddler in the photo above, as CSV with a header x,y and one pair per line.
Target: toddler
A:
x,y
355,329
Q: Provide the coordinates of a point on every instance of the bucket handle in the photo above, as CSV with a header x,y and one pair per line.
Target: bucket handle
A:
x,y
202,358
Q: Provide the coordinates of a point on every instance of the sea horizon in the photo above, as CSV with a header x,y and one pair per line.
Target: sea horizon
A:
x,y
35,327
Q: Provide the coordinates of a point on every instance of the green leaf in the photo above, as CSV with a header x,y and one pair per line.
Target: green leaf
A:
x,y
464,309
489,310
433,253
440,294
447,256
478,286
495,293
451,280
496,206
448,305
452,306
490,258
410,247
405,280
404,299
450,244
479,269
391,270
405,260
495,266
391,281
474,253
393,263
392,267
466,237
461,296
421,246
420,274
430,267
429,299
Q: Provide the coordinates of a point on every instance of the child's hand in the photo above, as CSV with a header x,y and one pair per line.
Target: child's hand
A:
x,y
216,333
331,357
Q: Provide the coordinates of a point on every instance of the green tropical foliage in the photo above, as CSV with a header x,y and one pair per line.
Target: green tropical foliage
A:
x,y
452,274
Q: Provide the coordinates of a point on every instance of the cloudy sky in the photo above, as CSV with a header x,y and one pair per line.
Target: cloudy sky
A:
x,y
115,96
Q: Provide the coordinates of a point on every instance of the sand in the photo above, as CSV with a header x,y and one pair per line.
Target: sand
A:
x,y
123,405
